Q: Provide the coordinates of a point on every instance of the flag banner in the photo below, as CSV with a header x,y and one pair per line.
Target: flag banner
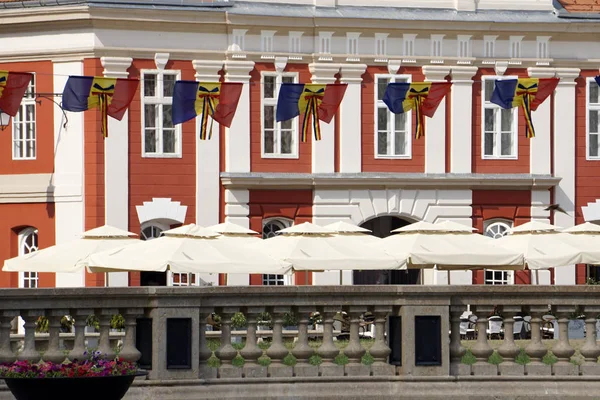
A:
x,y
208,99
597,79
423,97
111,95
314,101
527,93
13,86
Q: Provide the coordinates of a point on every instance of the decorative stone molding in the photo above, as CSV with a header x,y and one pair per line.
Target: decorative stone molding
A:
x,y
161,60
591,212
238,71
280,64
323,73
534,72
352,73
237,208
463,74
394,66
161,209
207,70
567,75
501,67
435,73
116,67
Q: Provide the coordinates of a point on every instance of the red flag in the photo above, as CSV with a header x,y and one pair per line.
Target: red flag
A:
x,y
124,91
13,86
334,93
546,87
435,96
229,98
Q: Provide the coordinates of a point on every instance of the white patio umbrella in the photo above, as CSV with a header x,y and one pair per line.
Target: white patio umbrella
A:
x,y
64,257
585,237
187,249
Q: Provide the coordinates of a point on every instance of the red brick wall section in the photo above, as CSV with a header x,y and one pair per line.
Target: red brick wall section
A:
x,y
15,218
44,161
513,205
481,166
369,162
257,163
290,204
581,6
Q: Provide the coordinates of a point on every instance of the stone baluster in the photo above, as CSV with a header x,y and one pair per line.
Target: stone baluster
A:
x,y
302,350
509,350
6,353
328,350
104,316
226,353
54,353
277,351
354,351
129,352
482,349
29,352
563,349
457,351
380,349
590,350
204,352
79,350
536,350
251,352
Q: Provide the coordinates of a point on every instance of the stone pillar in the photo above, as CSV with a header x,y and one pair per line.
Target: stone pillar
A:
x,y
457,351
204,352
328,351
563,349
54,354
237,137
277,351
226,353
207,154
29,353
130,351
380,349
354,351
536,350
323,151
435,128
6,353
564,159
461,128
251,352
302,350
482,349
237,211
79,350
590,350
350,144
116,165
509,350
104,316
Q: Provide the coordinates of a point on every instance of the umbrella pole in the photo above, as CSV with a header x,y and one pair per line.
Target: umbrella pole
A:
x,y
448,277
341,277
306,277
537,276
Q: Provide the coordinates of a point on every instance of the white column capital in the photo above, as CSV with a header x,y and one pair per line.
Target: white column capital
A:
x,y
534,72
435,73
463,74
238,71
394,66
161,60
567,75
116,67
323,73
352,73
207,70
500,67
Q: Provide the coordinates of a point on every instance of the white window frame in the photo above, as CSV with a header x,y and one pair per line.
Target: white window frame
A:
x,y
391,121
20,126
160,100
498,124
508,276
489,46
591,107
381,44
515,48
267,39
273,102
283,223
352,43
32,277
408,44
295,41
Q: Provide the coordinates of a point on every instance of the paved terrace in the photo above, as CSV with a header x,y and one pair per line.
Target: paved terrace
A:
x,y
416,351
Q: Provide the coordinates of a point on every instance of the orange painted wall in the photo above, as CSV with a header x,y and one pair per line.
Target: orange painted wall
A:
x,y
257,163
481,166
291,204
369,162
44,162
15,218
514,205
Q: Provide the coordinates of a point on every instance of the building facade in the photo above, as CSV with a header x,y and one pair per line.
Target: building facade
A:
x,y
59,176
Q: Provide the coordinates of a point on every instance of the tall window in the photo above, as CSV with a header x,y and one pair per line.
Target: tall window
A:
x,y
593,119
270,229
28,243
23,128
279,139
497,229
500,126
392,131
160,138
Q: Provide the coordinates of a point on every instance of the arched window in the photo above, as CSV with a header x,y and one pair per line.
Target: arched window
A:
x,y
28,243
151,232
497,229
269,230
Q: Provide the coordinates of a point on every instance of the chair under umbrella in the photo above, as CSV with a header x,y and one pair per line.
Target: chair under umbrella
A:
x,y
65,257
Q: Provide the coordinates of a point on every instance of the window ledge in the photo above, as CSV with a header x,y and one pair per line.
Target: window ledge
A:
x,y
500,158
280,156
408,157
588,158
24,159
153,155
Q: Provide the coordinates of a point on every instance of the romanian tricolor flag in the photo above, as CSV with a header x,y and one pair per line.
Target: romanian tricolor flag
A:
x,y
314,101
597,79
111,95
13,86
209,99
527,93
423,97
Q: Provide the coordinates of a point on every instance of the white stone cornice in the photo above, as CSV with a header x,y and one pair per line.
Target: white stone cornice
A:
x,y
207,70
463,74
501,67
352,73
567,75
323,73
435,72
116,67
238,71
541,72
161,60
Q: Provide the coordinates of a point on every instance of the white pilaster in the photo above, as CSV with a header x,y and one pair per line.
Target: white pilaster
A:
x,y
350,118
461,127
323,151
435,128
236,207
237,137
68,170
540,199
116,164
564,159
539,146
207,155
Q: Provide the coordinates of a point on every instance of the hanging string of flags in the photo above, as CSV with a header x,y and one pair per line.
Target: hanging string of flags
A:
x,y
13,86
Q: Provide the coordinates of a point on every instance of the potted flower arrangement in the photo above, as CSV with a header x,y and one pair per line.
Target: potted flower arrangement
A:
x,y
95,377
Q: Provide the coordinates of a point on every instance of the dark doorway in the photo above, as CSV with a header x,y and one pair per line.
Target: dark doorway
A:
x,y
382,227
148,278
